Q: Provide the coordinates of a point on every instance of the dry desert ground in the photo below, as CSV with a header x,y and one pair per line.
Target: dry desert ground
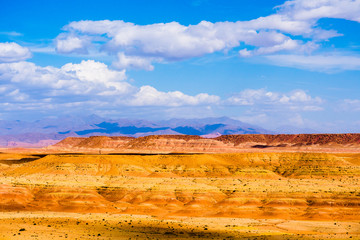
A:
x,y
248,195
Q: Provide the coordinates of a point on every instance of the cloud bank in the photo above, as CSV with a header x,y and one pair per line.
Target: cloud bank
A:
x,y
292,29
297,100
27,86
88,83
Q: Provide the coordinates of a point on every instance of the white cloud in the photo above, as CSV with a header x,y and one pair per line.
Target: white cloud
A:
x,y
98,75
252,96
171,41
92,71
125,62
294,100
287,45
87,77
13,52
72,44
281,23
139,44
149,96
325,63
245,53
305,10
84,83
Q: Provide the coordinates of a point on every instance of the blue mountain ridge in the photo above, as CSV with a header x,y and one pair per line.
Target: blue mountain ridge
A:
x,y
74,126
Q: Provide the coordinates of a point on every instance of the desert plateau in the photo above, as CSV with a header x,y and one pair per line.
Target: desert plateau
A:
x,y
183,187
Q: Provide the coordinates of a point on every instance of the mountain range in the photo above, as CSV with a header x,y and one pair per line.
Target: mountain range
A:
x,y
48,131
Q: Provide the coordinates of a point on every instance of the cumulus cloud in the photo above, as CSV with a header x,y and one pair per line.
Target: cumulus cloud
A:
x,y
84,83
294,100
170,41
299,17
136,62
173,41
72,44
305,10
136,46
149,96
92,71
87,77
13,52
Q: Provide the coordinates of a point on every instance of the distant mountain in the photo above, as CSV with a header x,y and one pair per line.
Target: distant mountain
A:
x,y
23,133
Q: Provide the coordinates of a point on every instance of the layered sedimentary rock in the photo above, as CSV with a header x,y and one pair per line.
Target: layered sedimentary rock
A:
x,y
225,143
295,186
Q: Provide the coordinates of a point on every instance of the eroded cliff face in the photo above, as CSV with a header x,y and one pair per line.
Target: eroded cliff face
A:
x,y
225,143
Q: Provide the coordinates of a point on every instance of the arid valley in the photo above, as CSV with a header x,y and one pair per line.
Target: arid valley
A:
x,y
183,187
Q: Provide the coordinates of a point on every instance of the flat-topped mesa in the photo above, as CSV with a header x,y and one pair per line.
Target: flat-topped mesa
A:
x,y
175,143
292,139
150,140
104,142
225,143
167,143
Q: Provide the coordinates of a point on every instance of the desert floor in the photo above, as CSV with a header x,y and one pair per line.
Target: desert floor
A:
x,y
182,196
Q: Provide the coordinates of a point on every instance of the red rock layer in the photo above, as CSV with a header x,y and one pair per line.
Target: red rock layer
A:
x,y
225,143
303,139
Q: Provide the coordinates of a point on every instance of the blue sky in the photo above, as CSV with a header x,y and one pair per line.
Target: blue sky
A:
x,y
269,63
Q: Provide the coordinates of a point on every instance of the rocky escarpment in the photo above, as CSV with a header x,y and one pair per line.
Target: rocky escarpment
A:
x,y
293,139
225,143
